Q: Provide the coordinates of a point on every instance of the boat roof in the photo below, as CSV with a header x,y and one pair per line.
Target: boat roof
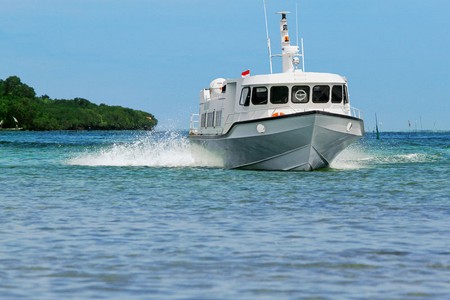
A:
x,y
289,78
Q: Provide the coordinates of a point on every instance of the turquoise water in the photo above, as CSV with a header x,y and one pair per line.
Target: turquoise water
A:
x,y
131,215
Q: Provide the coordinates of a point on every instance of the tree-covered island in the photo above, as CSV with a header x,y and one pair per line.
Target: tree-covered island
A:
x,y
19,107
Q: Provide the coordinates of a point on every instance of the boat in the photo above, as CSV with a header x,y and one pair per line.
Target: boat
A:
x,y
292,121
17,128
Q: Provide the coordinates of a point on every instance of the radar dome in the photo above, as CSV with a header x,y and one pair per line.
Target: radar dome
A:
x,y
216,86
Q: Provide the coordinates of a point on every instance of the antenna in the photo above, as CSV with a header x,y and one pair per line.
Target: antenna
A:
x,y
296,20
268,38
301,40
303,56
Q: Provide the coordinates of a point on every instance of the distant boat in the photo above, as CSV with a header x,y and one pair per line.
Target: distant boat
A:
x,y
294,120
12,128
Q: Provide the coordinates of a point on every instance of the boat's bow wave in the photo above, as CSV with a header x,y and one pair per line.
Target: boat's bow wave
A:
x,y
352,158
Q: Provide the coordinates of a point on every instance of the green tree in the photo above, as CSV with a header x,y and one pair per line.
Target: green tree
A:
x,y
42,113
12,86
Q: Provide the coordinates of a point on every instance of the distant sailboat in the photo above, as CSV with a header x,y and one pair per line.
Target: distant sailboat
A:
x,y
13,128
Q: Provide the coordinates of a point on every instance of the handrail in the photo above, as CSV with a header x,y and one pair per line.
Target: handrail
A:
x,y
249,115
194,123
356,112
352,111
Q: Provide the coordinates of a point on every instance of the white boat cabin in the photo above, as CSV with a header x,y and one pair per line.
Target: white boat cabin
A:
x,y
226,102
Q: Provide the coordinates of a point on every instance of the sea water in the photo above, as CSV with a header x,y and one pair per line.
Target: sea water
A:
x,y
132,215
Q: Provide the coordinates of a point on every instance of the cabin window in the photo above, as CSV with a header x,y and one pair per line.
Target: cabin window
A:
x,y
218,118
300,94
210,119
321,94
279,94
203,120
245,97
336,94
345,95
224,89
259,95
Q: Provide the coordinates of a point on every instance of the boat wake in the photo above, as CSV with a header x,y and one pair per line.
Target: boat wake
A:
x,y
161,149
356,157
408,158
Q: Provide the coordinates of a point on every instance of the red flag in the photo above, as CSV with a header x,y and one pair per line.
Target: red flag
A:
x,y
245,73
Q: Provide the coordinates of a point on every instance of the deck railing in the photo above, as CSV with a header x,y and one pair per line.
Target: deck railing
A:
x,y
356,112
288,109
194,124
240,116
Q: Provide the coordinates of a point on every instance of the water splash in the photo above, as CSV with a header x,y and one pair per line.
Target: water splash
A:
x,y
352,158
172,149
162,149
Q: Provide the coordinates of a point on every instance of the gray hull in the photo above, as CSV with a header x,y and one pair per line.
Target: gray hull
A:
x,y
302,141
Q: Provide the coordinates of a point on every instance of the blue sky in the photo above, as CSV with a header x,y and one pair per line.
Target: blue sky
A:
x,y
156,55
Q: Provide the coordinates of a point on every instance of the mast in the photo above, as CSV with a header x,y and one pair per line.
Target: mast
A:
x,y
289,53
